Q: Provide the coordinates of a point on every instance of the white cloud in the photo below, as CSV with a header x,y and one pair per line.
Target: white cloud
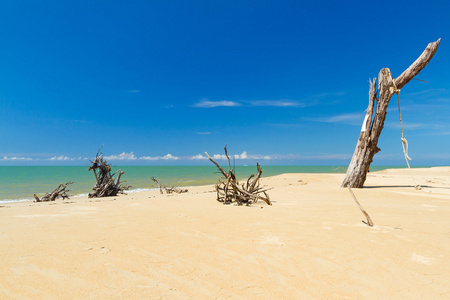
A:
x,y
243,155
203,133
16,158
265,157
149,157
165,157
219,156
205,103
134,91
169,157
61,158
198,157
122,156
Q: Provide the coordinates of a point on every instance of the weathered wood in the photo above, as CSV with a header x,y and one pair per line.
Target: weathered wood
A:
x,y
369,220
106,185
169,190
59,192
230,191
366,147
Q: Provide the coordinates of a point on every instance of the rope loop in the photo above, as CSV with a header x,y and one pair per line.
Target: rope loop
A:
x,y
395,90
404,141
405,149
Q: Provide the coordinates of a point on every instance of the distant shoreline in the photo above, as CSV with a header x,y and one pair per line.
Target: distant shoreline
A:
x,y
19,183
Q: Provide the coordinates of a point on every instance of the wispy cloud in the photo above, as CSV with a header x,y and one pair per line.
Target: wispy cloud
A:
x,y
440,133
288,125
429,93
410,126
276,103
203,133
350,118
16,158
205,103
134,91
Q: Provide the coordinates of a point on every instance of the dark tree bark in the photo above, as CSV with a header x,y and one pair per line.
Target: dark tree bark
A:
x,y
367,147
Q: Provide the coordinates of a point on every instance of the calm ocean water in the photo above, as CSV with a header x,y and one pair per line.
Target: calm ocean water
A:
x,y
20,183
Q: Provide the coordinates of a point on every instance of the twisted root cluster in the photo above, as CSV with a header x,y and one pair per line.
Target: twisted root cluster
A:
x,y
229,190
106,184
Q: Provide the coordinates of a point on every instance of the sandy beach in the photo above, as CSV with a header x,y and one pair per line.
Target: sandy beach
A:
x,y
311,244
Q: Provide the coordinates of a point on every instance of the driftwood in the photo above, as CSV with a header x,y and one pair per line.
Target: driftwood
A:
x,y
59,192
230,191
369,220
367,147
106,184
169,190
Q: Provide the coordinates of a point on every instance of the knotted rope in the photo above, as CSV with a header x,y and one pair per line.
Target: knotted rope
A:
x,y
404,141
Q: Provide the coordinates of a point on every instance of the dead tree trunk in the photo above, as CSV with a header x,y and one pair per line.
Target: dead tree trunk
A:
x,y
367,147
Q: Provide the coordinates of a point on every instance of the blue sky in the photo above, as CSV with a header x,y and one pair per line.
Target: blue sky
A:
x,y
160,82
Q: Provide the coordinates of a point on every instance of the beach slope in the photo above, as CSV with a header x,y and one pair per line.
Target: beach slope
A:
x,y
311,243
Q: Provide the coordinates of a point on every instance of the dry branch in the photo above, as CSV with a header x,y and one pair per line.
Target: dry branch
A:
x,y
59,192
230,191
369,220
106,184
169,190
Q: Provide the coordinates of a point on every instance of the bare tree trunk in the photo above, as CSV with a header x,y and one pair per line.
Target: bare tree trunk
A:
x,y
367,147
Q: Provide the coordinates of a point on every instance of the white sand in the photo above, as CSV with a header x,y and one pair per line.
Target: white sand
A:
x,y
310,244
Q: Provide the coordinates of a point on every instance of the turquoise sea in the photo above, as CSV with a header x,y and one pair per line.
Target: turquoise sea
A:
x,y
19,183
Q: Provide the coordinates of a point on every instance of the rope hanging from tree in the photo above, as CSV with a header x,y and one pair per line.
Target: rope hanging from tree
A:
x,y
404,140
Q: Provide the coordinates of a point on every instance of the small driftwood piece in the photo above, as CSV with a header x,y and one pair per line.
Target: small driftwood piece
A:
x,y
229,190
59,192
369,220
106,184
169,190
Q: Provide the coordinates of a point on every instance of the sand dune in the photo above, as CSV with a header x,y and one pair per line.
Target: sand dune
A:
x,y
311,243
